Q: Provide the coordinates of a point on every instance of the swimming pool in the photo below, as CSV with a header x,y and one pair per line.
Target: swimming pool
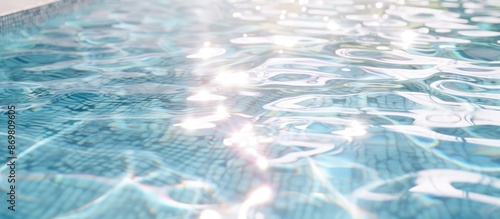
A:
x,y
255,109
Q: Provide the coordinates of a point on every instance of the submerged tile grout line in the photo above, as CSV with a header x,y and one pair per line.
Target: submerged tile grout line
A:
x,y
15,13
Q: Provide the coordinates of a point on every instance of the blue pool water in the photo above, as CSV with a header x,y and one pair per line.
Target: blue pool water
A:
x,y
241,109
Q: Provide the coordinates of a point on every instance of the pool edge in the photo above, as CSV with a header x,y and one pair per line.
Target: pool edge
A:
x,y
32,14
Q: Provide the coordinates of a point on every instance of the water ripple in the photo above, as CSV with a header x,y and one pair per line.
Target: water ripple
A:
x,y
258,109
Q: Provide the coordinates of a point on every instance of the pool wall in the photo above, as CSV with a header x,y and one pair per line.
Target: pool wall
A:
x,y
15,14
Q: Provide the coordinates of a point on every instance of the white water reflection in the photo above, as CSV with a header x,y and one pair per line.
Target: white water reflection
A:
x,y
355,129
435,182
283,40
210,214
479,33
205,122
260,195
205,53
205,96
440,183
232,78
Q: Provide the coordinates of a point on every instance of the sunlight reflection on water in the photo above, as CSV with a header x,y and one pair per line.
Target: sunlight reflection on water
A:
x,y
259,109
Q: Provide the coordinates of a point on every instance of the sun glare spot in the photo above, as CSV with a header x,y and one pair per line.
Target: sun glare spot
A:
x,y
331,25
232,79
407,37
259,196
210,214
262,163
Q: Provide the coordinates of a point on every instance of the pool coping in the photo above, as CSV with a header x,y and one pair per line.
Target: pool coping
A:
x,y
17,13
16,6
